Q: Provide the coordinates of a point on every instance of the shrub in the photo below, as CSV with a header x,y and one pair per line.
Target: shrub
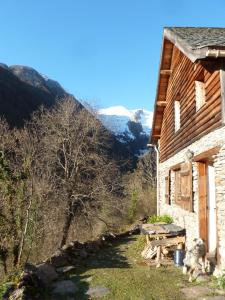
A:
x,y
221,281
133,205
164,218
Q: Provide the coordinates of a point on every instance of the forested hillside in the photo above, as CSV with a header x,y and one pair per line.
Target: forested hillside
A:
x,y
63,175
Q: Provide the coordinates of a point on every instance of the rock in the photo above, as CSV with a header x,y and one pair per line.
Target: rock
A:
x,y
94,246
135,229
30,279
76,245
213,298
202,278
30,268
65,247
95,263
60,260
196,291
89,279
98,291
220,292
65,269
18,294
64,287
83,253
46,273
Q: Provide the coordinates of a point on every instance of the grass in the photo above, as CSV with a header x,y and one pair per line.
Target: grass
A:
x,y
3,289
120,268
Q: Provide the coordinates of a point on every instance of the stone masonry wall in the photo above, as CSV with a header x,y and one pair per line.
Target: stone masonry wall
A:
x,y
189,220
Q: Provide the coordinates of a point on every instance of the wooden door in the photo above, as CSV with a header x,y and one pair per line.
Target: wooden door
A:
x,y
202,203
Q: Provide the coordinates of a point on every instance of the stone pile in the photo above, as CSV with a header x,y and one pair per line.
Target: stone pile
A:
x,y
36,278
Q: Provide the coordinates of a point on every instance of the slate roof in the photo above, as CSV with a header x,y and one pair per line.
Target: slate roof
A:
x,y
199,37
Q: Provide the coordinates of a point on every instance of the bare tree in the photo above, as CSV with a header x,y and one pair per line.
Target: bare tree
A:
x,y
54,172
74,148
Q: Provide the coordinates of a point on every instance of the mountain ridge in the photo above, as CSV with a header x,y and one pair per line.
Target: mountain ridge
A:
x,y
131,127
23,90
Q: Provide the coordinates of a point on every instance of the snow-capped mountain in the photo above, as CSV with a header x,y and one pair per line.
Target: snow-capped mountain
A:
x,y
118,119
131,127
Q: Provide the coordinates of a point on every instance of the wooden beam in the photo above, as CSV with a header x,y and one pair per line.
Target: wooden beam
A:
x,y
166,72
161,103
168,242
156,135
222,82
207,154
162,97
176,167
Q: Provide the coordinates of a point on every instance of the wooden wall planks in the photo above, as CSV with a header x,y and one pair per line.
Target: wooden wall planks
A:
x,y
181,87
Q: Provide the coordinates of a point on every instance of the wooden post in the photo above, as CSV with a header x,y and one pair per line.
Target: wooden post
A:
x,y
202,201
158,257
222,84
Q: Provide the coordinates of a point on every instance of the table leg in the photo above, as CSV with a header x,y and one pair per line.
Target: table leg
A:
x,y
158,257
147,239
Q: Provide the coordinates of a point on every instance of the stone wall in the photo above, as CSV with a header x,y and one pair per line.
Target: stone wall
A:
x,y
34,279
189,220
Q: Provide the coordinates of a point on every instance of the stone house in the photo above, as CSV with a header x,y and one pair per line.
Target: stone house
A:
x,y
189,133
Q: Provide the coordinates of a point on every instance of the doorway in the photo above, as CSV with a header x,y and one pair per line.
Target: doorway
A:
x,y
207,205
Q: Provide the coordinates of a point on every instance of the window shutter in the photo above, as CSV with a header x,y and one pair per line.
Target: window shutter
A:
x,y
167,189
186,186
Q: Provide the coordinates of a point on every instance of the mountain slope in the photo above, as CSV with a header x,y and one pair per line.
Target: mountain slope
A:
x,y
23,90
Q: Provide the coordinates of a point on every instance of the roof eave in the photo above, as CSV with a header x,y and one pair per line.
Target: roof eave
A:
x,y
193,54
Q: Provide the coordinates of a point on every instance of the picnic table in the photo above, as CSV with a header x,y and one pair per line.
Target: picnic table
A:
x,y
160,238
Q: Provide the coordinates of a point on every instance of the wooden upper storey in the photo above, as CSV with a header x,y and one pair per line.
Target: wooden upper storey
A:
x,y
177,78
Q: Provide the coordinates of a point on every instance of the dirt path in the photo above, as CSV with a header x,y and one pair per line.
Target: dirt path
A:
x,y
118,272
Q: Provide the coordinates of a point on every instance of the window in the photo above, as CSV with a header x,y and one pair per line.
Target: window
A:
x,y
177,115
200,91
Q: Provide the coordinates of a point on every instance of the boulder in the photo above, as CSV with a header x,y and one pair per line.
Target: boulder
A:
x,y
46,273
59,260
64,287
83,253
65,269
97,292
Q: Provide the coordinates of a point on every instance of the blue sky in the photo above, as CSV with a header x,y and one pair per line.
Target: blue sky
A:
x,y
103,51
